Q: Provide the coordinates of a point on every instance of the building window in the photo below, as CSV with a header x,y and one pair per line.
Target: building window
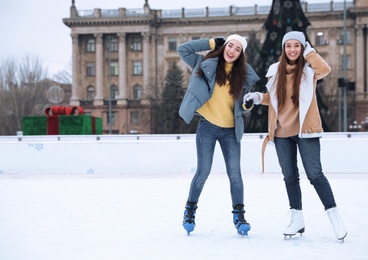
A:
x,y
137,92
341,62
114,92
90,93
112,118
320,39
137,43
137,68
134,118
172,44
91,69
172,64
114,68
91,45
340,41
114,44
196,37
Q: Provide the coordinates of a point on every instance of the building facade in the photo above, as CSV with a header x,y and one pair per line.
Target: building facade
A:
x,y
120,57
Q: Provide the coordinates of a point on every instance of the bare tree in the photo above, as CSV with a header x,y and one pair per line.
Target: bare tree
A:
x,y
22,87
64,76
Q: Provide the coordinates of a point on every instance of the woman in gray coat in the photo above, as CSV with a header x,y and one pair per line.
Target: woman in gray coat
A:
x,y
218,82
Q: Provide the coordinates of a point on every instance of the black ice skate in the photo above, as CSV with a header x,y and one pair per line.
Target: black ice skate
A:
x,y
241,225
189,216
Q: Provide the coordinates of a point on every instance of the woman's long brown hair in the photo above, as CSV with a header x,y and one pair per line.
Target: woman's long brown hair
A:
x,y
281,79
237,76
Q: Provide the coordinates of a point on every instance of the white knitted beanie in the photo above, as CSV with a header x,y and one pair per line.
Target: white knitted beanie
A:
x,y
239,38
293,35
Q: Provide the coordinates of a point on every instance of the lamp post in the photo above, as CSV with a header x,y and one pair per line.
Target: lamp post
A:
x,y
365,123
109,69
345,69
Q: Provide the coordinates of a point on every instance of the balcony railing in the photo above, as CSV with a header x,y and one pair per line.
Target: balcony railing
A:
x,y
215,12
106,102
86,102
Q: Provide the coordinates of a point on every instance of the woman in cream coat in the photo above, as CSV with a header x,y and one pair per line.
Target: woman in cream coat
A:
x,y
294,123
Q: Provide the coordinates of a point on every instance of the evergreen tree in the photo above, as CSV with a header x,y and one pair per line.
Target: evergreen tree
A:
x,y
285,16
167,119
252,54
253,49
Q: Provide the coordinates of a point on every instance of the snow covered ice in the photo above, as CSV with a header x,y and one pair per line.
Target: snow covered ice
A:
x,y
138,216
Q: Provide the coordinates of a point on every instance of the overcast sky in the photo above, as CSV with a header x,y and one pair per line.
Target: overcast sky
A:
x,y
35,28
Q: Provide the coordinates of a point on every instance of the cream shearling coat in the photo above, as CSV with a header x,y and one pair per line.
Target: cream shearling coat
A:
x,y
310,121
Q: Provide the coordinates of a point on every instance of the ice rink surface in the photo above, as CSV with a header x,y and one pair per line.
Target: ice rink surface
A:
x,y
138,216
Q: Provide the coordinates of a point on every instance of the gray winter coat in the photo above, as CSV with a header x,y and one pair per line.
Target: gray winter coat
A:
x,y
199,91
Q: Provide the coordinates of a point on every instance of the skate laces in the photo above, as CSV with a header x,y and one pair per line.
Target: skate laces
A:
x,y
294,217
334,216
239,217
189,213
337,223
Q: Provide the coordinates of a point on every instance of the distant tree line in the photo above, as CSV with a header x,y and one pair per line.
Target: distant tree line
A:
x,y
23,87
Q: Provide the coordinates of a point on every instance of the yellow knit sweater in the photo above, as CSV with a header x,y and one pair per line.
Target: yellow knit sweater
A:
x,y
219,109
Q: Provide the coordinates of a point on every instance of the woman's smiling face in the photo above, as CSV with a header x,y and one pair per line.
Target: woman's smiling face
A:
x,y
293,49
232,51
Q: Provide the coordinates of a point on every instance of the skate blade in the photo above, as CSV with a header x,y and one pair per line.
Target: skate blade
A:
x,y
301,231
243,234
189,227
342,239
243,230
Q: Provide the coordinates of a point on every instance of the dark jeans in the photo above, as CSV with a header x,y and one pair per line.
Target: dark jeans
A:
x,y
309,149
206,137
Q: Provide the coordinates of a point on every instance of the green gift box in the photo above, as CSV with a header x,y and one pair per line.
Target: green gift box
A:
x,y
80,125
34,125
62,125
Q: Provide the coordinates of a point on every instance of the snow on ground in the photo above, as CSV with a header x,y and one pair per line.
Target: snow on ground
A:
x,y
108,217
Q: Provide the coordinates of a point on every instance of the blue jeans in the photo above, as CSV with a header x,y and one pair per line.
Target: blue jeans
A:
x,y
309,149
206,137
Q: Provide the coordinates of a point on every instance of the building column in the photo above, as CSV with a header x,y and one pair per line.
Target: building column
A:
x,y
185,37
365,58
359,67
74,100
146,65
99,70
122,98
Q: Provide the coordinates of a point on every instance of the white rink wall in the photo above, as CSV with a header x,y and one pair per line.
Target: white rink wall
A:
x,y
159,154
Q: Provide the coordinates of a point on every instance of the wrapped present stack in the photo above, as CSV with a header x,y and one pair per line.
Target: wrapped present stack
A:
x,y
62,120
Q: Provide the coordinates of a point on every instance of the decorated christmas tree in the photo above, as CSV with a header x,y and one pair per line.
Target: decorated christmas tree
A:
x,y
285,16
